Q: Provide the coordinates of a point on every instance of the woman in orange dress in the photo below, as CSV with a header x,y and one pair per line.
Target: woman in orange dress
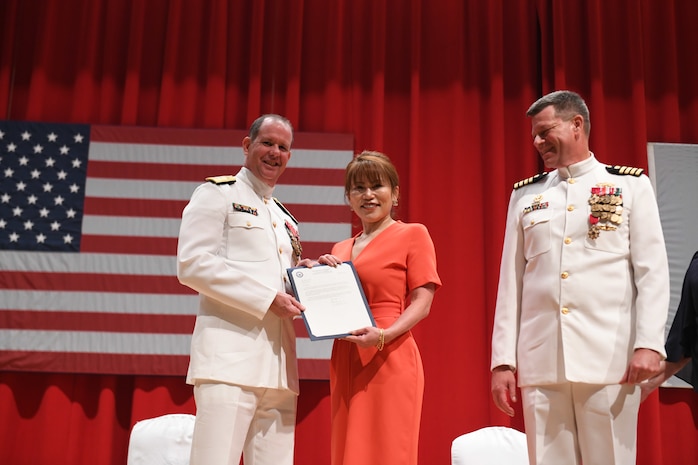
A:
x,y
376,374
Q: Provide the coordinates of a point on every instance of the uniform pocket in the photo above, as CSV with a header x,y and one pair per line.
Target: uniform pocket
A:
x,y
247,238
537,233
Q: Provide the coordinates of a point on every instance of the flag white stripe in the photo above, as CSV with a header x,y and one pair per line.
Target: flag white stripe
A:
x,y
163,227
307,349
78,302
141,189
101,263
182,190
130,226
216,156
131,343
94,342
310,195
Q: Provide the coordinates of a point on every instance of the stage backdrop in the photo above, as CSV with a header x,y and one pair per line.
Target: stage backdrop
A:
x,y
441,86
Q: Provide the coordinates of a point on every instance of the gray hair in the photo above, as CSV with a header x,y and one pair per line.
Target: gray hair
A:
x,y
257,124
566,103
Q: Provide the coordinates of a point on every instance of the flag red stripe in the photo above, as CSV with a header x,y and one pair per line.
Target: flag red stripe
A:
x,y
167,136
299,326
94,282
126,364
129,245
78,362
175,172
312,368
97,321
315,249
211,137
140,208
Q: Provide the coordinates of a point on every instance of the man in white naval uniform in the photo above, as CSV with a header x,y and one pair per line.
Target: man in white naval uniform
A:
x,y
235,244
583,296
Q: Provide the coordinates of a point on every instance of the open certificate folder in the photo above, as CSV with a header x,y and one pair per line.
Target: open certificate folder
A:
x,y
333,298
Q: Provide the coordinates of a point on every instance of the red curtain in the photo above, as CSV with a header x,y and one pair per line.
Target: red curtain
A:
x,y
440,85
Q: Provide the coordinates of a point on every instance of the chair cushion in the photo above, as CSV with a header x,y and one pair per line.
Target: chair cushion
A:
x,y
164,440
492,445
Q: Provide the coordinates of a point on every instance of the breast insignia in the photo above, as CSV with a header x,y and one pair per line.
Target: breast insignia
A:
x,y
624,170
531,180
227,179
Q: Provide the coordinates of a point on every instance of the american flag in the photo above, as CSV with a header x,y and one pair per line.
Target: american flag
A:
x,y
89,217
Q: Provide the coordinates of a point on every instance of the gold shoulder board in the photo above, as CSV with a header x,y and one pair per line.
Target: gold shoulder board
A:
x,y
624,170
531,180
281,206
228,179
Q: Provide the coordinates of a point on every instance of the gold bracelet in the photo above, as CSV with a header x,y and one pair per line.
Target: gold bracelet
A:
x,y
381,340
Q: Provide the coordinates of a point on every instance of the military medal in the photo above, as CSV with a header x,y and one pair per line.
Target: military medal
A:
x,y
295,240
606,205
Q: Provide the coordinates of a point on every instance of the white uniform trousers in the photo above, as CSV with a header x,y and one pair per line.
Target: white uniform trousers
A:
x,y
574,423
233,421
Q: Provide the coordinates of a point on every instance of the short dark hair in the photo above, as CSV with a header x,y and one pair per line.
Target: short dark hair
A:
x,y
257,124
566,103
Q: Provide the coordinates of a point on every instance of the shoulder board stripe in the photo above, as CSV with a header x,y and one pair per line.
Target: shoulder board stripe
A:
x,y
531,180
281,206
228,179
624,170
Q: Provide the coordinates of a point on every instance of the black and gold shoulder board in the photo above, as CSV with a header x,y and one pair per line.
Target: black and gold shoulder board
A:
x,y
227,179
281,206
531,180
624,170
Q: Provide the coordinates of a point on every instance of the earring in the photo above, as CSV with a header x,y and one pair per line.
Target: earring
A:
x,y
394,203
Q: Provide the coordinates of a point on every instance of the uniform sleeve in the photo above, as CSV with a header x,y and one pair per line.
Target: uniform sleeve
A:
x,y
650,268
508,303
202,268
421,259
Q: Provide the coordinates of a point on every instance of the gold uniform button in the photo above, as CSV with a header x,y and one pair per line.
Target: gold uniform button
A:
x,y
565,310
571,180
533,222
570,208
249,224
568,240
266,201
564,275
280,251
274,224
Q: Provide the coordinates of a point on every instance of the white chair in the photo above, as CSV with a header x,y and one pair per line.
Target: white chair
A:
x,y
163,440
492,445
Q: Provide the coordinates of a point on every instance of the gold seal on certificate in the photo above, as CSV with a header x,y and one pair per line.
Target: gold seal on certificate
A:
x,y
333,298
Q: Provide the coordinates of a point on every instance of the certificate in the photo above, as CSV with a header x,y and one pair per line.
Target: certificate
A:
x,y
333,298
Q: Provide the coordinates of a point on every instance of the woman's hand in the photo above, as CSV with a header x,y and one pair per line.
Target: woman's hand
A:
x,y
365,337
329,259
307,262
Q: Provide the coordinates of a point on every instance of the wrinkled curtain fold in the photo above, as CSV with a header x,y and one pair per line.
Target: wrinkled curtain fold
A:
x,y
441,86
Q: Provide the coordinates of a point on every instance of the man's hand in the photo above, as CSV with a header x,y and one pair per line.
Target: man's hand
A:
x,y
285,306
643,365
504,389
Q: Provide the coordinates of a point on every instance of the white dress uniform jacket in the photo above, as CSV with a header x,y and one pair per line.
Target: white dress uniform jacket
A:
x,y
234,249
572,308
